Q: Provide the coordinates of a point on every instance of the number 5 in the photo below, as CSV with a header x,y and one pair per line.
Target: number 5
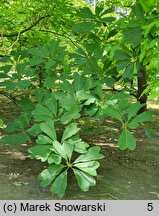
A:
x,y
150,206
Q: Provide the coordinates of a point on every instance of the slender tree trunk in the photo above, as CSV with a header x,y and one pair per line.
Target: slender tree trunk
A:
x,y
142,84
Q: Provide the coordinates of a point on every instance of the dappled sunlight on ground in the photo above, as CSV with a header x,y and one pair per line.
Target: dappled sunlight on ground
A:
x,y
113,145
15,154
153,104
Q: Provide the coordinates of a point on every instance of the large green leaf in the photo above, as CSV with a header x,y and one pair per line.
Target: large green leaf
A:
x,y
84,27
6,68
26,104
113,112
35,61
133,34
82,95
48,175
148,5
49,129
40,152
122,64
66,101
10,85
71,114
86,13
129,71
60,184
89,83
110,81
121,55
54,158
40,94
88,167
50,65
59,149
94,164
138,11
67,87
143,117
15,139
98,90
91,111
126,140
3,76
23,84
70,130
133,109
80,146
51,104
40,52
84,180
19,124
68,147
34,130
92,65
98,9
107,20
41,113
92,154
78,81
50,80
42,140
54,46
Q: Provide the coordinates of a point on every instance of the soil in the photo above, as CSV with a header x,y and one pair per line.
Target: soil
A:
x,y
122,174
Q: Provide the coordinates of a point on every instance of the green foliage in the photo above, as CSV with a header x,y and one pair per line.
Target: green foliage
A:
x,y
15,139
133,34
126,113
1,122
70,130
55,82
126,140
19,125
84,27
124,62
60,158
148,5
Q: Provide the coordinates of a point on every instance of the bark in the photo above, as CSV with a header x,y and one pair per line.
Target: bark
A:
x,y
142,84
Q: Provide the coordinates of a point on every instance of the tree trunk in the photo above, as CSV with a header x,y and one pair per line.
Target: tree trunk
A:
x,y
142,84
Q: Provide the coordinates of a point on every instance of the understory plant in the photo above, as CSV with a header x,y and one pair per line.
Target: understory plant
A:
x,y
59,156
52,119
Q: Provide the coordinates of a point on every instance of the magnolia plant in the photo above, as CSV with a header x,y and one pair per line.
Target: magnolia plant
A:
x,y
59,156
51,111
